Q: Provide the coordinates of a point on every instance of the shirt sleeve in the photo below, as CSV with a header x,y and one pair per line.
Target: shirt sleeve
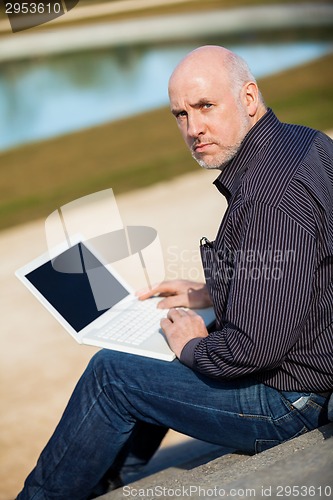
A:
x,y
270,286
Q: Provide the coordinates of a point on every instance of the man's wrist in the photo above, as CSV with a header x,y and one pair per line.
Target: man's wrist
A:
x,y
187,354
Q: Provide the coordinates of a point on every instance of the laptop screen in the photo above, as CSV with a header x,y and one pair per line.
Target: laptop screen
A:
x,y
70,292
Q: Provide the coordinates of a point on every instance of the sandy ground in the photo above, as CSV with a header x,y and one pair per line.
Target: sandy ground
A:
x,y
40,362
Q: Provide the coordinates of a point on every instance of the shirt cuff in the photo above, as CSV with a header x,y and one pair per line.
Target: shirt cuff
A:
x,y
187,354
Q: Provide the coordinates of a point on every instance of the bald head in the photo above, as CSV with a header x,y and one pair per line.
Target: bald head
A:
x,y
213,61
209,54
216,101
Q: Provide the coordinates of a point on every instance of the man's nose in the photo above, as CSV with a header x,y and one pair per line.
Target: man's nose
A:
x,y
195,126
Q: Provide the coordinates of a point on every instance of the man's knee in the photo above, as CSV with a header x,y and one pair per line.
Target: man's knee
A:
x,y
113,365
109,365
102,360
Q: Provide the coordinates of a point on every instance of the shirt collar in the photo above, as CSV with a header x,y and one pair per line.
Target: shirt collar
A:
x,y
228,181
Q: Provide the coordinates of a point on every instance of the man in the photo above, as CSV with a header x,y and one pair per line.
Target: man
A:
x,y
264,375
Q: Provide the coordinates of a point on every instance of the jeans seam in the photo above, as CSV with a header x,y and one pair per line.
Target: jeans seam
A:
x,y
288,403
262,417
313,404
257,417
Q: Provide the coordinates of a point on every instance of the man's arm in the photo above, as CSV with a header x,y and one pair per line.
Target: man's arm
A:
x,y
269,295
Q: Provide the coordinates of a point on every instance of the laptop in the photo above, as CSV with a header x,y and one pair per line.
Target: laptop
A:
x,y
95,305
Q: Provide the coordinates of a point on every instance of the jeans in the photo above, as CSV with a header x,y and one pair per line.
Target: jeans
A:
x,y
117,391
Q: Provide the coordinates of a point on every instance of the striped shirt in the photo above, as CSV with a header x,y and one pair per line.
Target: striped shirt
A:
x,y
270,269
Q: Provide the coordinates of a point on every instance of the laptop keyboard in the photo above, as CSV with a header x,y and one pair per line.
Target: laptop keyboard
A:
x,y
134,325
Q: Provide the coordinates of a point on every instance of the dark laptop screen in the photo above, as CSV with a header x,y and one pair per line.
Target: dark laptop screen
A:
x,y
70,293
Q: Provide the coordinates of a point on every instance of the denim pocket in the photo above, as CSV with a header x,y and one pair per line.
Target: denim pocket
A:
x,y
301,402
308,408
295,400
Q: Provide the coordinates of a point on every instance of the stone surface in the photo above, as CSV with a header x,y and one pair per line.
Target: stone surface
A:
x,y
300,467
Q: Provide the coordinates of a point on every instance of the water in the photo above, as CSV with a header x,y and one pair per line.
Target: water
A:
x,y
48,97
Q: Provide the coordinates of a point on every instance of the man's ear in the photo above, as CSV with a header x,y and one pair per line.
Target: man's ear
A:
x,y
251,97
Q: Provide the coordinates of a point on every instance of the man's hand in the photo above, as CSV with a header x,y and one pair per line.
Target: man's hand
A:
x,y
179,293
180,326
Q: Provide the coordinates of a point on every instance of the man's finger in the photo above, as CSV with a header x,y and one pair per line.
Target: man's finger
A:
x,y
171,302
175,313
160,289
165,323
190,312
146,293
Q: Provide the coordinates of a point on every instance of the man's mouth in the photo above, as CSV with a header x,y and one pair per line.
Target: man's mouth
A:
x,y
201,146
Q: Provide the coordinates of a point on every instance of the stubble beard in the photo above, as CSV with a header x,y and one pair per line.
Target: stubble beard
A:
x,y
227,152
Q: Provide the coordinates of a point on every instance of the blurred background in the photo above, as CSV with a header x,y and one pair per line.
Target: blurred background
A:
x,y
83,107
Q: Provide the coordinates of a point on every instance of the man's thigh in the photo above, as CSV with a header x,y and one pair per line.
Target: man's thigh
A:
x,y
237,414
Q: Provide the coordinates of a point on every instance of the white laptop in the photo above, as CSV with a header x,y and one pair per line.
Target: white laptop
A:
x,y
95,305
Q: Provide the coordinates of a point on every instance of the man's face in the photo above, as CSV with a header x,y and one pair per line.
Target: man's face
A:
x,y
212,120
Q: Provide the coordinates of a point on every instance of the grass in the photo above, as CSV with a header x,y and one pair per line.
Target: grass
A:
x,y
139,151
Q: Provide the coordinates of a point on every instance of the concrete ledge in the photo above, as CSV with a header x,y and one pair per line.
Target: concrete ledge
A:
x,y
300,467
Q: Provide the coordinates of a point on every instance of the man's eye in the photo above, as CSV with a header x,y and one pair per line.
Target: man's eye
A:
x,y
181,114
207,105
